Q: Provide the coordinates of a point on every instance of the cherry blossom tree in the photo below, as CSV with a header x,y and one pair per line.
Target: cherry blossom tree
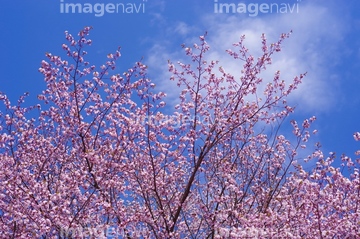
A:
x,y
103,156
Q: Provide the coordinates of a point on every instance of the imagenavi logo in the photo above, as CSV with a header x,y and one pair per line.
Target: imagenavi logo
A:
x,y
100,9
253,9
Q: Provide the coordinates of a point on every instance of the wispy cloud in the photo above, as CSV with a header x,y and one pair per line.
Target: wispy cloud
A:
x,y
312,48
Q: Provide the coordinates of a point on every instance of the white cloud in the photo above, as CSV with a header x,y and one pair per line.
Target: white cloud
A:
x,y
311,48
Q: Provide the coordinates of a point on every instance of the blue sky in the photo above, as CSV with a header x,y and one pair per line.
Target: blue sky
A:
x,y
325,43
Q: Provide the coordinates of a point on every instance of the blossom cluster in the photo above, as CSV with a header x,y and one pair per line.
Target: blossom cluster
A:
x,y
99,157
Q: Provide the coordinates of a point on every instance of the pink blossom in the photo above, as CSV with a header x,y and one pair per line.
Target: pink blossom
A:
x,y
357,136
108,150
